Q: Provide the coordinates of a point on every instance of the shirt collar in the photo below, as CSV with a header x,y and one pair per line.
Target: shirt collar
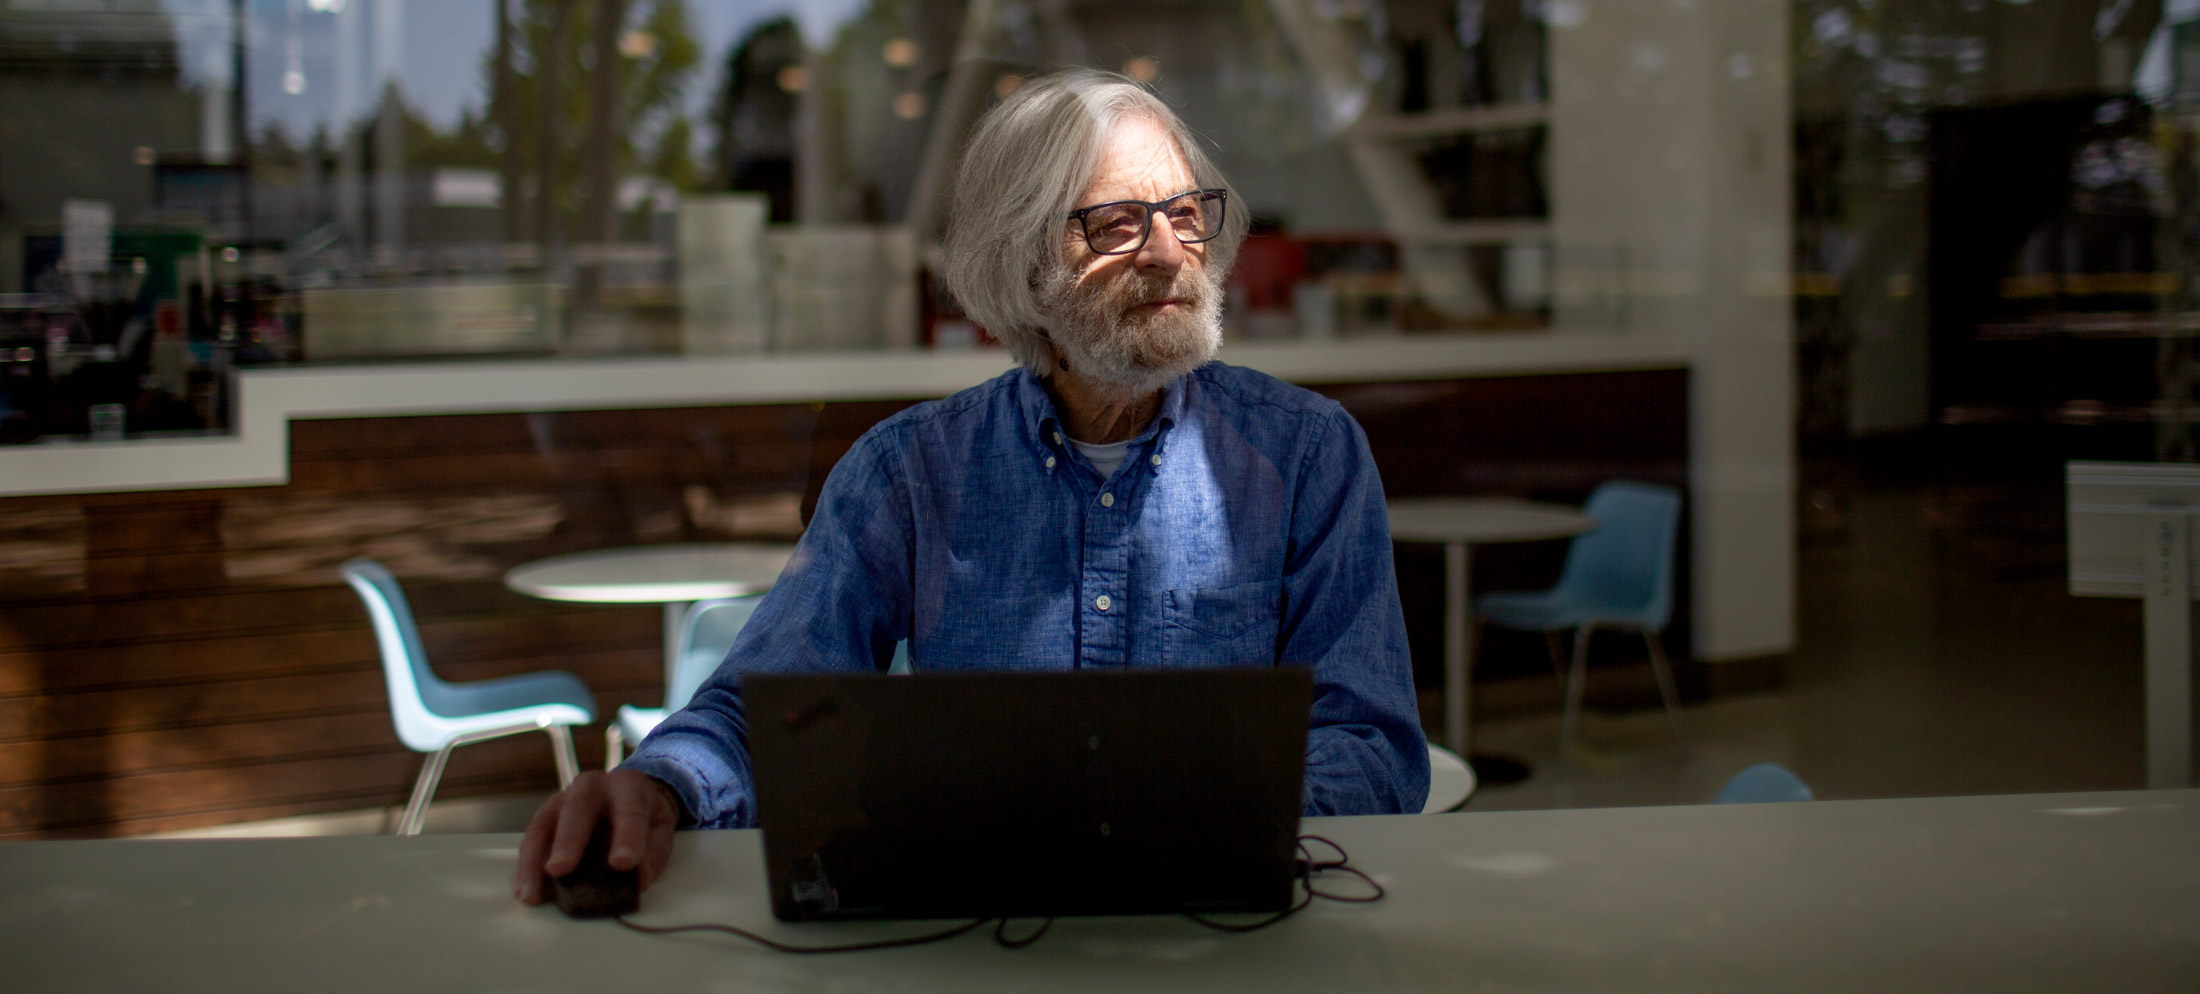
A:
x,y
1044,420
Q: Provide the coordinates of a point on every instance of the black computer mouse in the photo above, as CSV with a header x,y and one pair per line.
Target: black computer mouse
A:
x,y
594,889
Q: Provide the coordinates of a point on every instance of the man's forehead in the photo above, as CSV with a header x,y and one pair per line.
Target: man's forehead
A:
x,y
1139,160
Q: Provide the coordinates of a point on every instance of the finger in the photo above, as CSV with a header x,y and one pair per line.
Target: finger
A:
x,y
527,876
630,806
577,819
662,821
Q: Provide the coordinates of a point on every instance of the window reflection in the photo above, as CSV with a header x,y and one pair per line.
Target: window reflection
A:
x,y
1961,232
346,180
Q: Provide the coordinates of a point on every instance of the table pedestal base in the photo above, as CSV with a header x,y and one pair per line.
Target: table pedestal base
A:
x,y
1493,770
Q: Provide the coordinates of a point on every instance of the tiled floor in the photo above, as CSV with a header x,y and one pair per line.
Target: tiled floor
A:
x,y
1937,653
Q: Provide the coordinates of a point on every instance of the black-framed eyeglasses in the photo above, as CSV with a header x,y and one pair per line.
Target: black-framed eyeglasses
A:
x,y
1120,227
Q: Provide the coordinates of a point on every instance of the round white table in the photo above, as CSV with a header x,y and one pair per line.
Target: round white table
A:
x,y
672,575
1459,523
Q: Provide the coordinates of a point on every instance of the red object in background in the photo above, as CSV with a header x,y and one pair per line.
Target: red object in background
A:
x,y
1268,266
167,320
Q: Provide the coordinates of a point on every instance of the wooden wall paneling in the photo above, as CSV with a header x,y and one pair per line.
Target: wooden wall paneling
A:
x,y
109,753
134,575
166,526
55,670
194,820
212,668
96,621
109,804
453,788
228,634
381,777
138,548
42,548
186,704
669,445
118,753
431,471
372,438
168,673
623,670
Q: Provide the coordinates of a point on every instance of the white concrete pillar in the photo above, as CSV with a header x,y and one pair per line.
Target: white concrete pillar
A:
x,y
1670,161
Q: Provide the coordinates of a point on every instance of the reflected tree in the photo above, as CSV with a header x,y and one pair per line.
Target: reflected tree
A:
x,y
637,58
1873,83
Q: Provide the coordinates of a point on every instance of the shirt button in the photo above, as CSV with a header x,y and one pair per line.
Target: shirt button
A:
x,y
1102,603
1107,500
1057,438
1157,458
1050,462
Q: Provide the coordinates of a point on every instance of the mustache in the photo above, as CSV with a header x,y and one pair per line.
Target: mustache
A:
x,y
1136,290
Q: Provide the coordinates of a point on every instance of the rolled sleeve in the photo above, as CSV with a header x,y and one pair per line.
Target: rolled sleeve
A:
x,y
839,606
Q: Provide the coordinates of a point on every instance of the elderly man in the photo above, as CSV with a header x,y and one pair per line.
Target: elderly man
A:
x,y
1117,499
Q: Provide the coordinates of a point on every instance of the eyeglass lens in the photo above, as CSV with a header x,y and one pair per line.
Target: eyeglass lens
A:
x,y
1112,229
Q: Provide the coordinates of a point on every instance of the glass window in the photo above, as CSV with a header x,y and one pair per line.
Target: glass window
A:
x,y
1860,278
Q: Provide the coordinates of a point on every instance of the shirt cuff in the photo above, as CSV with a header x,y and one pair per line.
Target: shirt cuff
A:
x,y
687,788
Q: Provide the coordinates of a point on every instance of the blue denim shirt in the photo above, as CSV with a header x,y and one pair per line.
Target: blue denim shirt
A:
x,y
1245,527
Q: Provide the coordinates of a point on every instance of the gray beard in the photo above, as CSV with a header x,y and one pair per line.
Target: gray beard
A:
x,y
1133,355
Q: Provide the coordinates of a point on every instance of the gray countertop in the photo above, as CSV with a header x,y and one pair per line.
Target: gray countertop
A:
x,y
2065,892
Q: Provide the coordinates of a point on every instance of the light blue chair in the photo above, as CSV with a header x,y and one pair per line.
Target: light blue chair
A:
x,y
435,717
706,634
1618,577
1764,783
705,638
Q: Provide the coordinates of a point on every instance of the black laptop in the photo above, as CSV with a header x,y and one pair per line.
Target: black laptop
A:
x,y
970,795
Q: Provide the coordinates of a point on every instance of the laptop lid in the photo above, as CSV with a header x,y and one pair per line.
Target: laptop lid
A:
x,y
966,795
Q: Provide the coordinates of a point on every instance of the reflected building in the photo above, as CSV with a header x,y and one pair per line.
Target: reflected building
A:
x,y
112,81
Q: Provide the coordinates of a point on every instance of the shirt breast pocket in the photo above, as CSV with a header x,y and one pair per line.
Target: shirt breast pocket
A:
x,y
1224,626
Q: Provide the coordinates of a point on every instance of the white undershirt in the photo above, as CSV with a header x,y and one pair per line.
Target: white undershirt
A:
x,y
1105,458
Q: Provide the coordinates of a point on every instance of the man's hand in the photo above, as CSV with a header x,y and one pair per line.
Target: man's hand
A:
x,y
640,812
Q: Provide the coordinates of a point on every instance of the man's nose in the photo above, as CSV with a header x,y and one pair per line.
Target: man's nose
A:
x,y
1162,253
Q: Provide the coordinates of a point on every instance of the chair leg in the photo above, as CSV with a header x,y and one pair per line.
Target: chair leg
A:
x,y
614,746
1666,687
431,772
1576,678
561,742
1556,643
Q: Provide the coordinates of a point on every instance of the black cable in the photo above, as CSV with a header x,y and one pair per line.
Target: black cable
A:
x,y
1367,899
1000,935
1342,862
1306,866
853,947
1342,857
1253,926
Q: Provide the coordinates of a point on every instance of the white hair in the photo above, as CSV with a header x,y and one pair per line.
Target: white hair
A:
x,y
1028,160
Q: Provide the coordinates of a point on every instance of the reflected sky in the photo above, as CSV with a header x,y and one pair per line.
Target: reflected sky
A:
x,y
293,44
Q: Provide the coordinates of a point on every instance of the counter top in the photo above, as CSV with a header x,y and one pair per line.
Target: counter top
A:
x,y
2045,893
258,453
